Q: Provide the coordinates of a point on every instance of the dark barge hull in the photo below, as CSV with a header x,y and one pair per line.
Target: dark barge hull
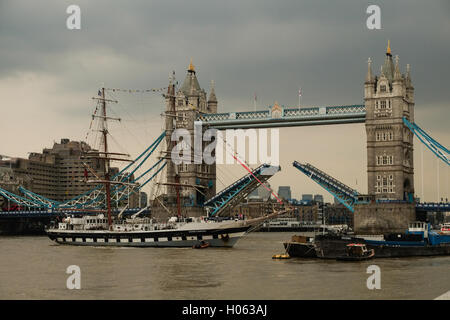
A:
x,y
333,247
300,250
351,259
409,251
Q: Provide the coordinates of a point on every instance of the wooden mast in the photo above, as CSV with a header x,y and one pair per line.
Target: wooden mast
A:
x,y
105,155
106,160
172,170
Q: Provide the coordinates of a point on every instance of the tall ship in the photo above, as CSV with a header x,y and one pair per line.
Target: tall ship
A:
x,y
144,232
98,227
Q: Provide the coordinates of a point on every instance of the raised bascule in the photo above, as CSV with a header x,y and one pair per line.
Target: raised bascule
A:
x,y
388,114
234,193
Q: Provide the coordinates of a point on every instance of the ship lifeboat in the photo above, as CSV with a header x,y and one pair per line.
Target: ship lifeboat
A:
x,y
201,245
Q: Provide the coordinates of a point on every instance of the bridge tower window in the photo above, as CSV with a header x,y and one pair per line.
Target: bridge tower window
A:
x,y
385,160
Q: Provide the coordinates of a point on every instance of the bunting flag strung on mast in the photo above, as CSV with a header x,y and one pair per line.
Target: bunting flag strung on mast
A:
x,y
137,90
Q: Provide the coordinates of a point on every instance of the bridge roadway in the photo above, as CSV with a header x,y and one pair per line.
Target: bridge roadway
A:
x,y
278,116
433,207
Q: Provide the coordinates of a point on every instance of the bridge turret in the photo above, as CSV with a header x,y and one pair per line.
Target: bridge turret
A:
x,y
398,84
369,84
408,83
212,100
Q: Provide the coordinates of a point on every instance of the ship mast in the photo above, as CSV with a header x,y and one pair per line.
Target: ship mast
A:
x,y
106,160
104,155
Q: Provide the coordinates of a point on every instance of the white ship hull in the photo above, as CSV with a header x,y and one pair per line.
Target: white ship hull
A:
x,y
216,237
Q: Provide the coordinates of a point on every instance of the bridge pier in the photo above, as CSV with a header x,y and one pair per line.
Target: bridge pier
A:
x,y
385,217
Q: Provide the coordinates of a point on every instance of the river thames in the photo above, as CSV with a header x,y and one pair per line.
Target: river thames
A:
x,y
35,268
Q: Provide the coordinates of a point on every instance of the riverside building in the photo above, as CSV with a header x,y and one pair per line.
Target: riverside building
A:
x,y
56,173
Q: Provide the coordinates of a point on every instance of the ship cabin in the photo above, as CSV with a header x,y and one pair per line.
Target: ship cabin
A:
x,y
98,222
431,236
134,224
418,227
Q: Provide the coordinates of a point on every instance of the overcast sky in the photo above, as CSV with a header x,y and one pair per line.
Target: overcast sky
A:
x,y
48,73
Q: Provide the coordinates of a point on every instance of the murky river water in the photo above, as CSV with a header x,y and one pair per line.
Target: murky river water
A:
x,y
35,268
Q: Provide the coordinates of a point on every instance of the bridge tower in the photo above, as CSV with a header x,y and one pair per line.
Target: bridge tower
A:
x,y
195,182
388,98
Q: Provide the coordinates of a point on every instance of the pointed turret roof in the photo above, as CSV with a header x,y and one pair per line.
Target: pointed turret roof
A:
x,y
388,66
369,76
190,85
212,94
191,67
397,73
408,76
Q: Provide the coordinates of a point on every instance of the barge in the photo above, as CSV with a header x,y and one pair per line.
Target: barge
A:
x,y
418,240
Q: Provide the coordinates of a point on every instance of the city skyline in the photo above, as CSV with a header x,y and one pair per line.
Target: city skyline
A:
x,y
48,77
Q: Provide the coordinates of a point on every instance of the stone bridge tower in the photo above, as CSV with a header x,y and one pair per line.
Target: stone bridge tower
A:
x,y
195,182
388,98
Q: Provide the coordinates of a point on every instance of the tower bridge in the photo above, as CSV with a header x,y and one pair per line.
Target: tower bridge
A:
x,y
388,115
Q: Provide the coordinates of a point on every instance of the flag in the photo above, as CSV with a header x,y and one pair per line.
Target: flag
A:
x,y
255,96
99,93
300,92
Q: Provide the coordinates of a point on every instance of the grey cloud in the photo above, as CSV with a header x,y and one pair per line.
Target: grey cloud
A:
x,y
263,46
